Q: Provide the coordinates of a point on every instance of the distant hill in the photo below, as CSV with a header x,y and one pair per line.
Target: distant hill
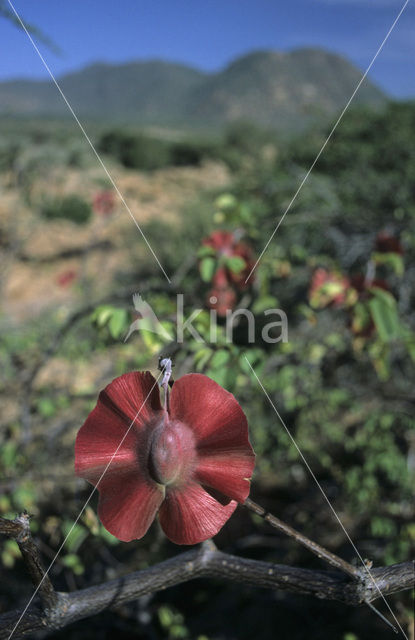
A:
x,y
268,88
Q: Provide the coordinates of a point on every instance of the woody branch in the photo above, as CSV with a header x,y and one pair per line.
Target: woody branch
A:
x,y
60,609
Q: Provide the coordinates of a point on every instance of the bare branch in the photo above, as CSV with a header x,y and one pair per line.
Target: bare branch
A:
x,y
208,562
19,529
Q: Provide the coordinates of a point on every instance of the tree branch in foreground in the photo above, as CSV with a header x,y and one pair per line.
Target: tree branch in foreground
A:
x,y
205,561
19,530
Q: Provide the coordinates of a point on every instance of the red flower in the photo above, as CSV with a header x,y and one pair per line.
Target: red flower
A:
x,y
104,202
191,462
66,278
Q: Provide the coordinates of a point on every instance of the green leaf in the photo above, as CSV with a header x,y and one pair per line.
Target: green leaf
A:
x,y
226,201
205,251
385,315
201,358
46,407
236,264
72,561
253,356
381,294
263,303
219,359
218,375
8,453
392,260
166,616
361,317
107,536
102,314
76,537
207,269
10,553
245,212
118,323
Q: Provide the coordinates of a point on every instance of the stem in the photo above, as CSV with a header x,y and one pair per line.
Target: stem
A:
x,y
165,366
312,546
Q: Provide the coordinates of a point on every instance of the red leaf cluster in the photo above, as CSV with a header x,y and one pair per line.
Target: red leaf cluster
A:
x,y
328,288
387,243
226,284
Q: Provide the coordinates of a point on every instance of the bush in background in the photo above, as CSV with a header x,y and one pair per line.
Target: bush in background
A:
x,y
72,207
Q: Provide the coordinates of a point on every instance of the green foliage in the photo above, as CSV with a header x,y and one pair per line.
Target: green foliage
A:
x,y
173,622
245,142
371,161
207,268
114,319
135,151
141,151
73,562
342,384
385,314
71,207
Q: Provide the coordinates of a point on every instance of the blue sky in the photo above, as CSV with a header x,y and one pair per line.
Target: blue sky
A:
x,y
209,33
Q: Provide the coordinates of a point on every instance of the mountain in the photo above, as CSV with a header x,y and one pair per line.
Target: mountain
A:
x,y
269,88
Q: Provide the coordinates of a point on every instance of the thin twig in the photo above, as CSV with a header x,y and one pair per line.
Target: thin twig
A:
x,y
312,546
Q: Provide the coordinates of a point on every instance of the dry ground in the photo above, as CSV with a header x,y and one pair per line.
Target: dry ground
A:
x,y
32,264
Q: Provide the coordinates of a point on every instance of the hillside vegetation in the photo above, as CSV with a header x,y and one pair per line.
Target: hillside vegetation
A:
x,y
342,268
281,90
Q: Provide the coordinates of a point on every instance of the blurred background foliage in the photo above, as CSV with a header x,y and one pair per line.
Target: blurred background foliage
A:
x,y
341,266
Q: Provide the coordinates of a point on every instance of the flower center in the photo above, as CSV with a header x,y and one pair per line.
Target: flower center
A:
x,y
172,453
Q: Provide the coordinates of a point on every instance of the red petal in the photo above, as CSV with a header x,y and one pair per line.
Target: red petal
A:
x,y
228,471
106,426
128,504
212,413
130,393
127,408
189,515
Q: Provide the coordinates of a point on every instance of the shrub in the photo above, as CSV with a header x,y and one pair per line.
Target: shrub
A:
x,y
72,207
135,151
140,151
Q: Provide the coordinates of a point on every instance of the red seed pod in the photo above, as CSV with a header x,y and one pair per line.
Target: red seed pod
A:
x,y
190,462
